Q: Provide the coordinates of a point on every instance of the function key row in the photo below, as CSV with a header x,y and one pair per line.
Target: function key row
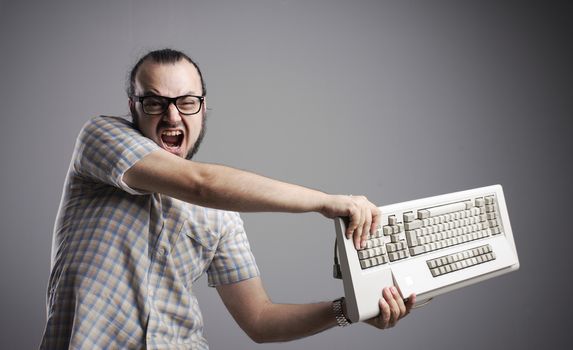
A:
x,y
484,204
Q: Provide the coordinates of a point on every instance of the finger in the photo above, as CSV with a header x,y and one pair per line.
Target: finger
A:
x,y
352,220
399,302
394,309
358,230
351,226
384,313
376,215
410,303
365,226
367,217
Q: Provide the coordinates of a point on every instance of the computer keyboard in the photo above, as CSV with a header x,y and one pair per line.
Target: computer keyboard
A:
x,y
427,246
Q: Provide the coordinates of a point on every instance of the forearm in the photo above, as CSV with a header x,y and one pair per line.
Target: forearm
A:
x,y
233,189
219,186
284,322
265,321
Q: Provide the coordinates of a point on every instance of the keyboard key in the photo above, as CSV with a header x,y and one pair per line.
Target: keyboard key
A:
x,y
417,250
408,217
413,224
393,256
411,238
489,200
440,210
392,220
387,230
365,264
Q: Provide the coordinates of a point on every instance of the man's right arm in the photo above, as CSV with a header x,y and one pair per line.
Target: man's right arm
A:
x,y
265,321
222,187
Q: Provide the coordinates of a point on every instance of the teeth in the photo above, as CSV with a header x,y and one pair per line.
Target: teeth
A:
x,y
172,132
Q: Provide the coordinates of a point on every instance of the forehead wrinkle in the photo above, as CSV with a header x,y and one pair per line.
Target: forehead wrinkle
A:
x,y
170,80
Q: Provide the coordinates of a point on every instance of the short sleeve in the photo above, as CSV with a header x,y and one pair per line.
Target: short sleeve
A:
x,y
233,260
106,148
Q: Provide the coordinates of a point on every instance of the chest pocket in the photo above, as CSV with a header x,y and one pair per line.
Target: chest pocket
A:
x,y
194,250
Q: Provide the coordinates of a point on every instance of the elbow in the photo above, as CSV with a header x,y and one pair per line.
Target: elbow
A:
x,y
255,332
267,333
258,337
261,329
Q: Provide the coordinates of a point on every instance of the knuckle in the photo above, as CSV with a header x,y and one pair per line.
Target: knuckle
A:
x,y
353,224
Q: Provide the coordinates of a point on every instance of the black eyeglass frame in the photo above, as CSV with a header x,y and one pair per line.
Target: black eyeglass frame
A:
x,y
169,100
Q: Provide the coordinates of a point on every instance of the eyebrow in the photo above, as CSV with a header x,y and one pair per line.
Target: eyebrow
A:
x,y
151,92
154,92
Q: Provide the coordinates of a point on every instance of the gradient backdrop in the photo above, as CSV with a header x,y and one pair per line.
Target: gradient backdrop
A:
x,y
396,100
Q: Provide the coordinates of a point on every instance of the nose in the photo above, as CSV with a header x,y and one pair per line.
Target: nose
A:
x,y
172,115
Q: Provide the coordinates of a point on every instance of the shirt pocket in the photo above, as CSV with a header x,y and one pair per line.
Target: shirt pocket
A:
x,y
195,250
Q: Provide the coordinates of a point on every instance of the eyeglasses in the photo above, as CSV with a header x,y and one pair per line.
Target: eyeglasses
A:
x,y
156,105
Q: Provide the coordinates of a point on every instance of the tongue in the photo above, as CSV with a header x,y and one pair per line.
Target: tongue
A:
x,y
171,140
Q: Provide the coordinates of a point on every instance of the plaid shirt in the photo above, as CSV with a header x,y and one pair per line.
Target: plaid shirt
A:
x,y
124,262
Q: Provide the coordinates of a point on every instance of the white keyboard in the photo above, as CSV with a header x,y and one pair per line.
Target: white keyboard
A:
x,y
428,246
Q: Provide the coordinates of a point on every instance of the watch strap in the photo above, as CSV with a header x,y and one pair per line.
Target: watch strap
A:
x,y
341,319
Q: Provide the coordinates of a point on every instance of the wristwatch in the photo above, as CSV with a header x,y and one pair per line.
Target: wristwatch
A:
x,y
341,319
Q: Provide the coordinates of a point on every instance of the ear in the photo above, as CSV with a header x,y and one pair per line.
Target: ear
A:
x,y
131,105
204,104
133,112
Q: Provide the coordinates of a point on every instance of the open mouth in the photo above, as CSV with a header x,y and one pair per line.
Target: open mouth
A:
x,y
172,140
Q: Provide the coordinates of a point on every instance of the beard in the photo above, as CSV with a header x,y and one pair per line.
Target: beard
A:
x,y
195,148
199,140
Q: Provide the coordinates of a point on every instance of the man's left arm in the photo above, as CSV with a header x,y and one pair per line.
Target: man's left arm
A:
x,y
265,321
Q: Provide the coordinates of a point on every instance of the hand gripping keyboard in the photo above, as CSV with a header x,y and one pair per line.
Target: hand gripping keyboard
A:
x,y
428,246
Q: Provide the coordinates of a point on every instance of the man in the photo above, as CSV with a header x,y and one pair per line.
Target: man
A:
x,y
136,227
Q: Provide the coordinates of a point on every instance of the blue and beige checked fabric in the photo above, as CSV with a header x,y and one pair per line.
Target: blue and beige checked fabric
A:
x,y
124,262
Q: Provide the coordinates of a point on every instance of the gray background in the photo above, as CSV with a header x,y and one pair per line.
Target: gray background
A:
x,y
396,100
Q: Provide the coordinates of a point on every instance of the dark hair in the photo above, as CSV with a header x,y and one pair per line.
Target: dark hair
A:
x,y
164,56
